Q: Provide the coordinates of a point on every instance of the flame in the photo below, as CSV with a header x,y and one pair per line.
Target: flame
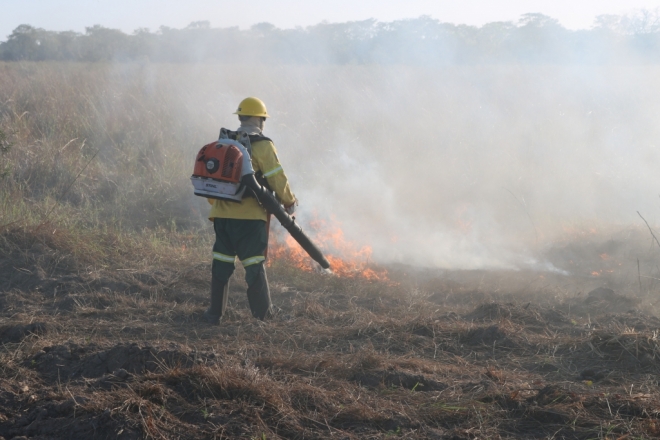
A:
x,y
347,259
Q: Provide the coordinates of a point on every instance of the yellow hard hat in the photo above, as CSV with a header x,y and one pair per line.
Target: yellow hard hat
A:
x,y
252,107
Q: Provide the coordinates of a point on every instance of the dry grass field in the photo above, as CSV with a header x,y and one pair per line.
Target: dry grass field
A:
x,y
105,271
119,351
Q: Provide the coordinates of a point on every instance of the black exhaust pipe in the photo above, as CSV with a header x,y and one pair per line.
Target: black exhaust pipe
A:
x,y
271,204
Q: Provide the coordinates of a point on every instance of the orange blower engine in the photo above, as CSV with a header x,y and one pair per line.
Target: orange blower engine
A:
x,y
217,173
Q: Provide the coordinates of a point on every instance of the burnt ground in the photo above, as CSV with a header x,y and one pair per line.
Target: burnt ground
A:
x,y
116,351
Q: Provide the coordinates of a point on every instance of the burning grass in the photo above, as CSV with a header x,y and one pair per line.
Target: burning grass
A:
x,y
347,259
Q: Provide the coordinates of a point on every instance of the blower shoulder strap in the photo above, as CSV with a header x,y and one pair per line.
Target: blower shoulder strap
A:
x,y
259,137
229,134
234,136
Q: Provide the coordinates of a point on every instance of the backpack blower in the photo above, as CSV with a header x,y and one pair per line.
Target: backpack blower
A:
x,y
223,171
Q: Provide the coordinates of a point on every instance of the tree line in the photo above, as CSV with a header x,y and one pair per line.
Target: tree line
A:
x,y
534,38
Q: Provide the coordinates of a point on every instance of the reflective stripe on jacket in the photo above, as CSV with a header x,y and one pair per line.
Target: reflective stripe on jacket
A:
x,y
264,159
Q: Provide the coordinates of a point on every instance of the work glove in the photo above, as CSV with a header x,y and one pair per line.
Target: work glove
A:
x,y
291,208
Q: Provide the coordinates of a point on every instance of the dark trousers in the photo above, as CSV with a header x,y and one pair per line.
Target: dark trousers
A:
x,y
247,239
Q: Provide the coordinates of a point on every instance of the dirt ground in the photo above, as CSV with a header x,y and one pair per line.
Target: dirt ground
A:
x,y
120,353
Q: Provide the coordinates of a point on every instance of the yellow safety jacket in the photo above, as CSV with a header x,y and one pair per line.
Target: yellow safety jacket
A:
x,y
266,163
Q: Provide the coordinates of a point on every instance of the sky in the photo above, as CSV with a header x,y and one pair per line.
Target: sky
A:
x,y
128,15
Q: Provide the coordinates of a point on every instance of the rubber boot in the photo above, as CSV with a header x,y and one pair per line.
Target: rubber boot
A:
x,y
259,296
219,294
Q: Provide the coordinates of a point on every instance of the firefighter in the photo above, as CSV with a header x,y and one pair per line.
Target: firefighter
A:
x,y
241,228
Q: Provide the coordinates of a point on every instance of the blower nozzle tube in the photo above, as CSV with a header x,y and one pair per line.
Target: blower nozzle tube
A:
x,y
274,207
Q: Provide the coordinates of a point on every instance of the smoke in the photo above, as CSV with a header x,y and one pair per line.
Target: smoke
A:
x,y
476,166
456,167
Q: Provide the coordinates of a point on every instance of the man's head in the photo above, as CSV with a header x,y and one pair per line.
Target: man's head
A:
x,y
252,111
